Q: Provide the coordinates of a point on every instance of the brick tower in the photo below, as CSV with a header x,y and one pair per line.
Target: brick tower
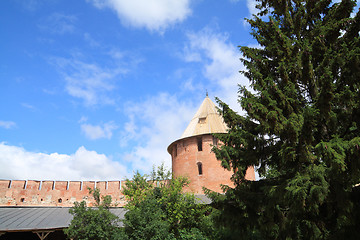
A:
x,y
192,156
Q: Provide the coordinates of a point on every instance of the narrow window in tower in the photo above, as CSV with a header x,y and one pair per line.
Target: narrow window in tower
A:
x,y
202,120
200,168
199,143
175,150
215,141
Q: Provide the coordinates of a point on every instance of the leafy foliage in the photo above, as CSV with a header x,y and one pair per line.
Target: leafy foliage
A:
x,y
136,189
158,209
93,223
302,124
147,221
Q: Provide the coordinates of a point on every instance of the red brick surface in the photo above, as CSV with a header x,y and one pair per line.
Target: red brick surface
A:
x,y
185,157
56,193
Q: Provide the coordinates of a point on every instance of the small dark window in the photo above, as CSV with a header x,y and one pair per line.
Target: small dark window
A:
x,y
184,145
215,141
22,200
59,200
200,168
199,143
175,150
202,120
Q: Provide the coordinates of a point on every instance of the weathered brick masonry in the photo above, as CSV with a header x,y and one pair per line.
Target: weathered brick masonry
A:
x,y
56,193
186,159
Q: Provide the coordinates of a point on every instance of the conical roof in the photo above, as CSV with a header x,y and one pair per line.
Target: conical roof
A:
x,y
206,120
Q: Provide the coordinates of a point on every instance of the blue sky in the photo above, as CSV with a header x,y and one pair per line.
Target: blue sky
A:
x,y
95,89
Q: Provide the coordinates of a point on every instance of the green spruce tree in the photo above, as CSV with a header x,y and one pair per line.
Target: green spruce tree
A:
x,y
302,126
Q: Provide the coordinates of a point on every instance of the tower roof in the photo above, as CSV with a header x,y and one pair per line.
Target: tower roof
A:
x,y
206,120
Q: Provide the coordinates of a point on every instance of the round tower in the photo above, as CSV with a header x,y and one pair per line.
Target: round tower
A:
x,y
192,156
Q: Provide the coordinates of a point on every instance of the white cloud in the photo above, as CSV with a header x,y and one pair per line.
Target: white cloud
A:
x,y
356,9
90,40
58,23
28,106
83,119
94,132
32,5
18,163
7,124
155,15
153,125
251,5
116,54
221,63
89,81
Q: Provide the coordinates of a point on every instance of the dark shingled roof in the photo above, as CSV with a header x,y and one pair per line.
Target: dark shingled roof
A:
x,y
14,219
202,199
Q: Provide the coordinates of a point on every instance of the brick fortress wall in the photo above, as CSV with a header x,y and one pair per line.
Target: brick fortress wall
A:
x,y
57,193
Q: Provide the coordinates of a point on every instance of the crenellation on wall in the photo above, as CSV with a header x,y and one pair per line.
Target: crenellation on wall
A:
x,y
88,184
101,186
56,193
17,184
5,184
60,185
46,186
32,185
74,186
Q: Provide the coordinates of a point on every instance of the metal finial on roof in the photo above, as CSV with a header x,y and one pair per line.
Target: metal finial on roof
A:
x,y
207,93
